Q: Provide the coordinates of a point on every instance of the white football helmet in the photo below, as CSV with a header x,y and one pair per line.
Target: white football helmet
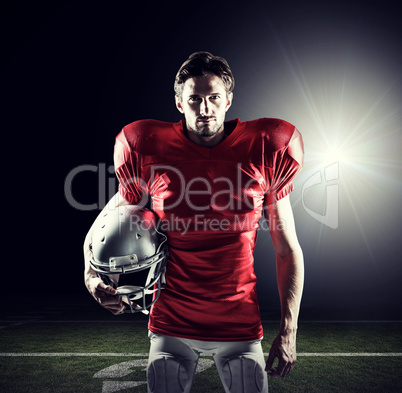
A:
x,y
126,244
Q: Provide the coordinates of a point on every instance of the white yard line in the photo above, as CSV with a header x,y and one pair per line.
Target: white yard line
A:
x,y
68,354
144,354
357,354
39,319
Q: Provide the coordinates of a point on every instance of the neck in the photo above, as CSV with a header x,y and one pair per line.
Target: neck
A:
x,y
209,141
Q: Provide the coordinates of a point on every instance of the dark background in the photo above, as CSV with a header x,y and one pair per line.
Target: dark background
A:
x,y
73,74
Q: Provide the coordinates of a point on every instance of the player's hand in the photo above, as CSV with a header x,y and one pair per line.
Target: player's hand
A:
x,y
284,349
105,295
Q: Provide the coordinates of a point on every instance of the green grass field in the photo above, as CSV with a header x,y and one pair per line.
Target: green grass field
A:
x,y
110,356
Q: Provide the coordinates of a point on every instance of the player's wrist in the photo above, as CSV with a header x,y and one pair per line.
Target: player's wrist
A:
x,y
288,332
288,329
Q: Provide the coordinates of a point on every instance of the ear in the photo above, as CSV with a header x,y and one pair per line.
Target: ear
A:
x,y
229,101
178,104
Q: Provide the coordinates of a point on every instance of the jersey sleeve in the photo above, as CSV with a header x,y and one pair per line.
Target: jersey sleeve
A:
x,y
287,163
127,166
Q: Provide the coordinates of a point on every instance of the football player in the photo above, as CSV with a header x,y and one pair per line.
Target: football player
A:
x,y
209,181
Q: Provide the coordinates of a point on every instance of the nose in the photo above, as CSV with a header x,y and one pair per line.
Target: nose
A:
x,y
204,108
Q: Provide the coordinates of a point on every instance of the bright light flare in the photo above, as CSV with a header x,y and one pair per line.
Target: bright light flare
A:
x,y
335,155
347,105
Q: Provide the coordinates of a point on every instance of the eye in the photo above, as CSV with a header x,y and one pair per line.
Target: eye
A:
x,y
194,99
215,97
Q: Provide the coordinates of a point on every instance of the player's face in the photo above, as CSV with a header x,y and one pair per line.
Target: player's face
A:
x,y
204,103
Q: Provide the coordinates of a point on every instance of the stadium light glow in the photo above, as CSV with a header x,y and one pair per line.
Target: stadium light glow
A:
x,y
343,92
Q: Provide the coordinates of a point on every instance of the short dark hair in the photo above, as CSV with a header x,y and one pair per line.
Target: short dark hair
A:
x,y
201,64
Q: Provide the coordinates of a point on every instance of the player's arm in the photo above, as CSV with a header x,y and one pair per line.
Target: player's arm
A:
x,y
290,279
104,294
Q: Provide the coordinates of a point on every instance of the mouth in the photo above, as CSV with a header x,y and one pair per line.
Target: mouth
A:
x,y
205,120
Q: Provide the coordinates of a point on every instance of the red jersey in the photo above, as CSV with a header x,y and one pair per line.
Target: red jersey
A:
x,y
209,201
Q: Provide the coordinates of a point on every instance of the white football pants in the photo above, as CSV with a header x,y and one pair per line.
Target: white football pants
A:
x,y
173,361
